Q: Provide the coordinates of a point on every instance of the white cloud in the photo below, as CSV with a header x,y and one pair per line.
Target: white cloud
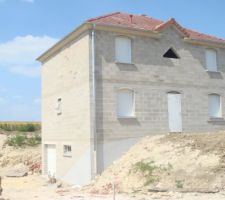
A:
x,y
26,71
24,50
19,55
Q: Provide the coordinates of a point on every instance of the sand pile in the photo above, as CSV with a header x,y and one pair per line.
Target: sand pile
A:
x,y
195,161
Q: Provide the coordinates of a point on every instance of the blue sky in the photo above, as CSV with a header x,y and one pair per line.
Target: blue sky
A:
x,y
29,27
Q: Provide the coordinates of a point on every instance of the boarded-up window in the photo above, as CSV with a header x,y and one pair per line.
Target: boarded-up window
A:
x,y
123,49
211,60
125,103
214,105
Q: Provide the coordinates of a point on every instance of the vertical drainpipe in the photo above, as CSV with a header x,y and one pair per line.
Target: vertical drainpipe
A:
x,y
94,134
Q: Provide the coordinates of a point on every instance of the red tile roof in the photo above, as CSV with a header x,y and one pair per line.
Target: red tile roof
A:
x,y
144,22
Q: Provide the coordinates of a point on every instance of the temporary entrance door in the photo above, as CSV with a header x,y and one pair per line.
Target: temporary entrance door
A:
x,y
174,112
51,159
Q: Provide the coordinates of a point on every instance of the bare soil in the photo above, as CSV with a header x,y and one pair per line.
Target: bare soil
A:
x,y
191,162
36,187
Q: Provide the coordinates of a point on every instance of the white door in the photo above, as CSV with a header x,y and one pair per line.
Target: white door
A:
x,y
174,112
51,159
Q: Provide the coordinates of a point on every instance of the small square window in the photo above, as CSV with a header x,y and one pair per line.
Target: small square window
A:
x,y
59,106
67,150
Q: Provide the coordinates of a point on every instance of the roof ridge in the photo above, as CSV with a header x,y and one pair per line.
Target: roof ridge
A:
x,y
150,18
103,16
141,21
172,21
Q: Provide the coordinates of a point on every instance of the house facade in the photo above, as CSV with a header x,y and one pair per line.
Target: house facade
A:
x,y
120,77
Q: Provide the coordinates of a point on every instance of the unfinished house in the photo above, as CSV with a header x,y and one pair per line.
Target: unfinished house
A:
x,y
120,77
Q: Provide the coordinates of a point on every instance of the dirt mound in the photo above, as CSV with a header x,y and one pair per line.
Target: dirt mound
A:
x,y
11,156
176,161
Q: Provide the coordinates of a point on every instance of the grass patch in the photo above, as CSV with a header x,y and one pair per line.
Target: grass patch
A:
x,y
22,139
179,183
147,170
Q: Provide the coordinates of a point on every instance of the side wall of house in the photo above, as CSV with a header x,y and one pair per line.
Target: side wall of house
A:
x,y
151,77
66,76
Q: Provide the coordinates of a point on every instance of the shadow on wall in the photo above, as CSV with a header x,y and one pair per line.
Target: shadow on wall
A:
x,y
127,67
215,75
217,122
129,122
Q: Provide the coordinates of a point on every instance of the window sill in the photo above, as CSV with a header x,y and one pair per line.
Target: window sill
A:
x,y
68,156
215,72
126,117
123,63
216,119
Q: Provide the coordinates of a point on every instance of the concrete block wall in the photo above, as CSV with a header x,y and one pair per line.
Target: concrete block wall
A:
x,y
151,77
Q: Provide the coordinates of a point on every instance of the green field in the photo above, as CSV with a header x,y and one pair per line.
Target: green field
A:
x,y
20,126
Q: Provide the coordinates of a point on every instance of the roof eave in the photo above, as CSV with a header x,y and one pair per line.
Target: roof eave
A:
x,y
67,39
128,30
205,42
121,30
89,25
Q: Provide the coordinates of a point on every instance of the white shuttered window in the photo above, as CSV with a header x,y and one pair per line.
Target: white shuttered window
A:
x,y
125,103
123,49
214,105
211,60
